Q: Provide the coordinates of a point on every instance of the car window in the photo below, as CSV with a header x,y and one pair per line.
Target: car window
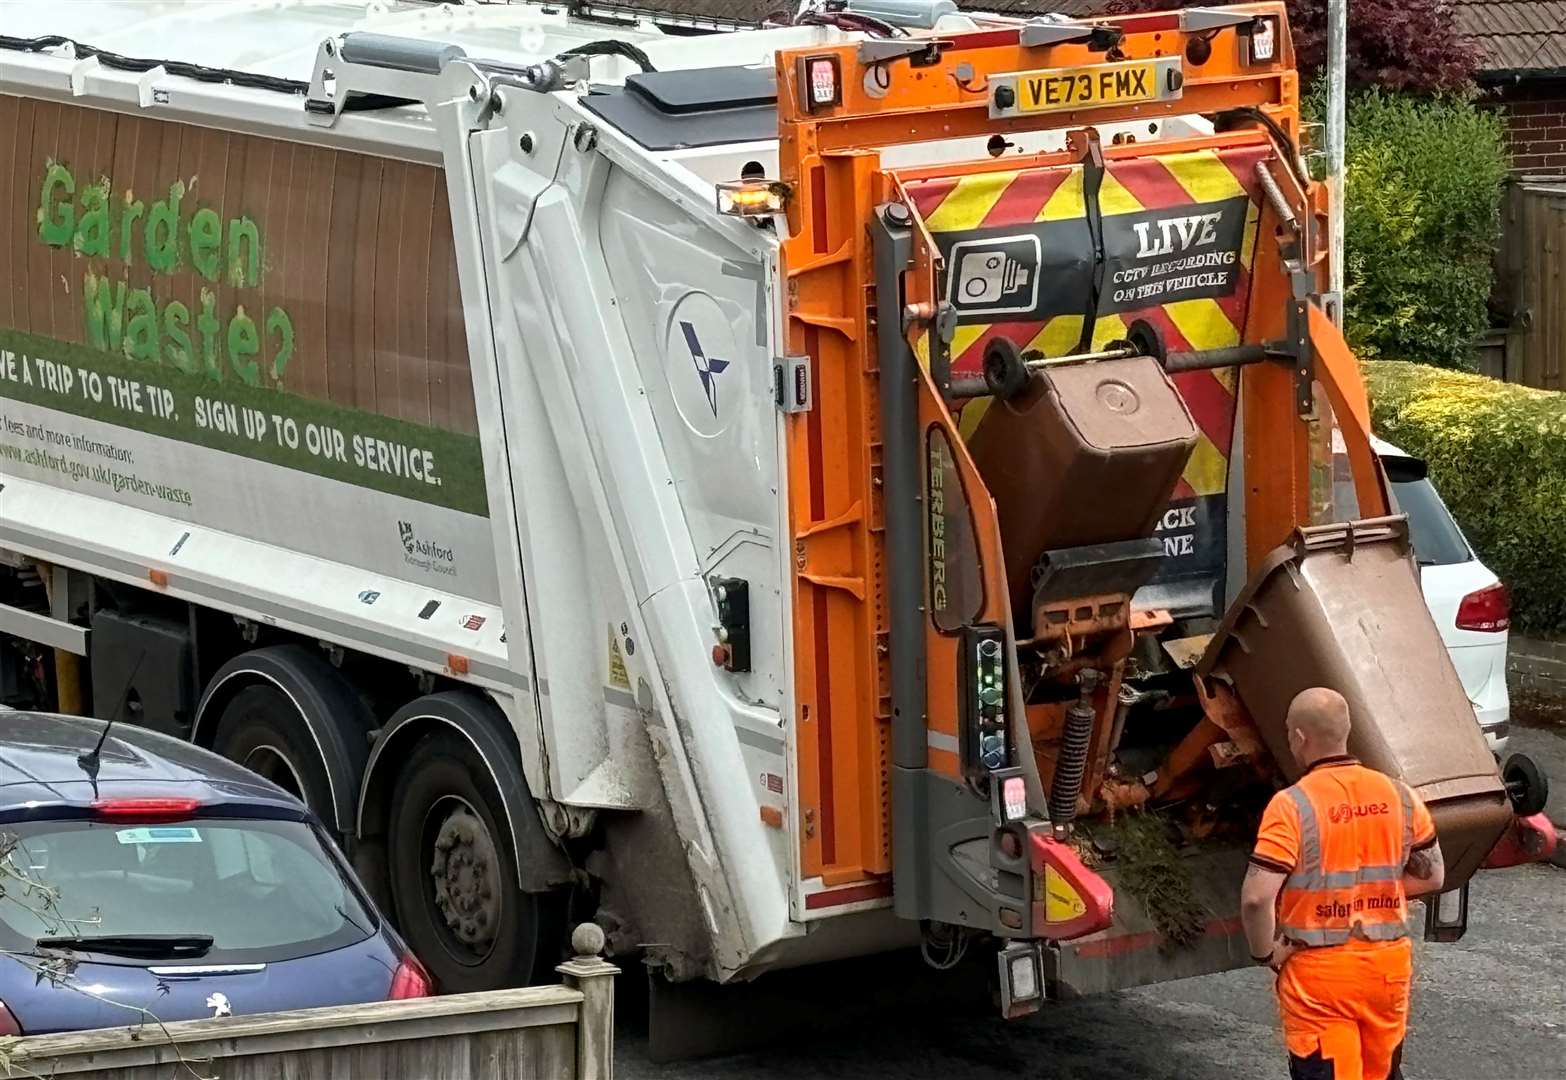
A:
x,y
1436,538
264,890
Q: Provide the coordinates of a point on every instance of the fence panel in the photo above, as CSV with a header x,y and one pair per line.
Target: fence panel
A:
x,y
543,1031
1533,265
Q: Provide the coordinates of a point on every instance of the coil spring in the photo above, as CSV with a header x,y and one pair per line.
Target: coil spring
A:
x,y
1071,765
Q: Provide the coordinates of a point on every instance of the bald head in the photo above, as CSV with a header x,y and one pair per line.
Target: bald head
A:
x,y
1318,724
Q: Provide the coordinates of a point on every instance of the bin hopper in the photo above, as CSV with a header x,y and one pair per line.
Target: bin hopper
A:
x,y
1341,606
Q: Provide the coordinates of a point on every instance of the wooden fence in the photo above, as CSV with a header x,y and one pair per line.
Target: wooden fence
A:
x,y
538,1033
1532,286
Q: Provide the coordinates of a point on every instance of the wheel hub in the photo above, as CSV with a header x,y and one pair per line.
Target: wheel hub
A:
x,y
465,872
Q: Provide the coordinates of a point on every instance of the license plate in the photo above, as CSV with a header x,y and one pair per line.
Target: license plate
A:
x,y
1093,86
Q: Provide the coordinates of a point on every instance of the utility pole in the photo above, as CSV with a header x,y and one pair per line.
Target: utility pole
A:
x,y
1337,93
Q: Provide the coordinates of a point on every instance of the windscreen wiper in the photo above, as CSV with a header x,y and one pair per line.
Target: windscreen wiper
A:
x,y
152,946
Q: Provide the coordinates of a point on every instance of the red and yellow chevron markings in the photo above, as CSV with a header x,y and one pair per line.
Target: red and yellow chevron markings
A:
x,y
1129,186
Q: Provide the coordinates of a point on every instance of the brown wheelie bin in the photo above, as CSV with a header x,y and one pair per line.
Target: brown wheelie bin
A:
x,y
1086,454
1341,606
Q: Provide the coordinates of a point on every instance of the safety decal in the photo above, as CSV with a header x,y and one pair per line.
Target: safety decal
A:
x,y
619,678
1061,901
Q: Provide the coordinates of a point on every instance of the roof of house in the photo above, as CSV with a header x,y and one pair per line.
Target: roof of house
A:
x,y
1522,37
756,11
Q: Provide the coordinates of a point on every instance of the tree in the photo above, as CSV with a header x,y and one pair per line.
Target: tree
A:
x,y
1422,216
1409,45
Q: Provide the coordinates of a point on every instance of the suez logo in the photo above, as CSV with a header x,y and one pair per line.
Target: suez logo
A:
x,y
1344,812
423,553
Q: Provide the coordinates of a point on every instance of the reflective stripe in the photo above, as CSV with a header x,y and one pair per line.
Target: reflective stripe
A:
x,y
1343,879
1382,931
1322,937
1367,874
1310,832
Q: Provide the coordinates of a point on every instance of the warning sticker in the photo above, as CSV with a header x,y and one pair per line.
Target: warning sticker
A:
x,y
619,678
1061,902
159,834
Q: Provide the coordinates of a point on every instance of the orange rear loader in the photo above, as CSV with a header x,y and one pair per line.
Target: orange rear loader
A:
x,y
1069,403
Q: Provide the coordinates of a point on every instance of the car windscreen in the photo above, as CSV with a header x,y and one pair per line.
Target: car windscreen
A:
x,y
1436,539
262,890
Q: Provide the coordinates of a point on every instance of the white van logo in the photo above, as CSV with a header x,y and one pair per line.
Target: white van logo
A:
x,y
1175,234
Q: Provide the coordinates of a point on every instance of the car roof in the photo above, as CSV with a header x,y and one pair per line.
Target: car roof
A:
x,y
1378,444
38,765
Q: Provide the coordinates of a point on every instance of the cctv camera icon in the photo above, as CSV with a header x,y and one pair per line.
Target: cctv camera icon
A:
x,y
985,276
995,276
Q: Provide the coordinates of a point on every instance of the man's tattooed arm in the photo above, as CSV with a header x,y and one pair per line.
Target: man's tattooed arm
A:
x,y
1424,872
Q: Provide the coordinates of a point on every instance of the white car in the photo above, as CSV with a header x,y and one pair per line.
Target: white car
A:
x,y
1470,605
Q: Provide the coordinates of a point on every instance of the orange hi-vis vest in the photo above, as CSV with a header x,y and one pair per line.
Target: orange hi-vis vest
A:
x,y
1353,831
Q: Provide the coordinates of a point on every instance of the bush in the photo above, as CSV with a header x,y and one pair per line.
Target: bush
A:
x,y
1497,454
1422,217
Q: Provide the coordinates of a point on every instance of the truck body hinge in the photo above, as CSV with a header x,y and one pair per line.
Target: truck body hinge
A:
x,y
920,52
1304,356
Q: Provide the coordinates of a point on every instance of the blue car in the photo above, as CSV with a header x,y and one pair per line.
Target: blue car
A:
x,y
141,876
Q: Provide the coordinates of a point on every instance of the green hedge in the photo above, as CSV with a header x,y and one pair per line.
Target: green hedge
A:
x,y
1497,454
1422,218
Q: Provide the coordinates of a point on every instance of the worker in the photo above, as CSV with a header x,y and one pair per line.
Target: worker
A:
x,y
1325,899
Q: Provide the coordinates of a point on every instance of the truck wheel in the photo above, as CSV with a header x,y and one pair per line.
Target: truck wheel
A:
x,y
261,730
287,713
454,874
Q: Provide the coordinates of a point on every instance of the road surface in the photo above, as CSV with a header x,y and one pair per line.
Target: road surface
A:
x,y
1491,1007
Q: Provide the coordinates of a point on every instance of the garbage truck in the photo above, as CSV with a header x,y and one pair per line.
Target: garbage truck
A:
x,y
782,492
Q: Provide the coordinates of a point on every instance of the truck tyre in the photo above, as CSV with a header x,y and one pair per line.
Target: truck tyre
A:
x,y
261,730
454,874
286,713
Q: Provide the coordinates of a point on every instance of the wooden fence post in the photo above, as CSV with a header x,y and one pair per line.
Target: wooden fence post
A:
x,y
594,977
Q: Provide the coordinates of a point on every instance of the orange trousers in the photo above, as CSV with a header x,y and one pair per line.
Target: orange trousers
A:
x,y
1345,1010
